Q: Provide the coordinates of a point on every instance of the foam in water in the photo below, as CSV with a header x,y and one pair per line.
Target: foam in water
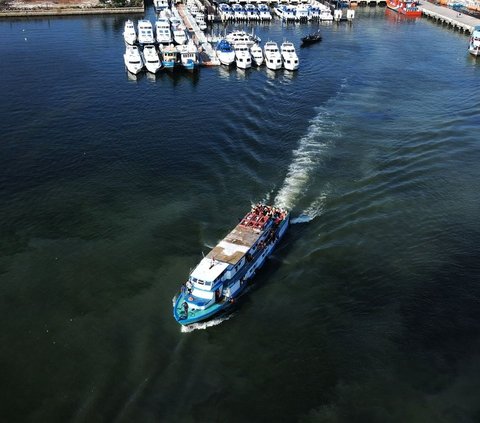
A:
x,y
306,158
204,325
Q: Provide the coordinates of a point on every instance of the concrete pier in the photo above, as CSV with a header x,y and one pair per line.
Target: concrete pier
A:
x,y
450,17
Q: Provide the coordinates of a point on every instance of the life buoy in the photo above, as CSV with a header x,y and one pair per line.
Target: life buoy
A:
x,y
190,298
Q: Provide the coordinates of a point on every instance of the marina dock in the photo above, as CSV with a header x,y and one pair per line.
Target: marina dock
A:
x,y
205,49
451,17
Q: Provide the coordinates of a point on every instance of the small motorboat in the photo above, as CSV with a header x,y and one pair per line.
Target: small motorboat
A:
x,y
311,39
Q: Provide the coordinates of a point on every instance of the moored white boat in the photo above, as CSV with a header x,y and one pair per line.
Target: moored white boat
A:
x,y
242,37
145,32
162,28
264,12
243,59
133,60
223,274
129,34
289,56
188,56
225,52
273,59
286,13
251,12
160,5
180,36
151,59
302,13
474,42
257,55
239,13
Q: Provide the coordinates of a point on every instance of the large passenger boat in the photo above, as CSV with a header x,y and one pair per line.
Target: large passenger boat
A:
x,y
405,7
222,275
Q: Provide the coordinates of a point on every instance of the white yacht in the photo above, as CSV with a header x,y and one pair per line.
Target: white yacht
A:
x,y
264,12
302,13
474,42
180,36
289,56
145,32
286,13
243,58
251,12
162,28
151,59
225,11
273,59
133,60
160,5
200,19
257,55
129,34
325,14
239,13
188,56
242,37
225,52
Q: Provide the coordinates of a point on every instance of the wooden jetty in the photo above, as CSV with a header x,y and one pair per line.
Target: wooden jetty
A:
x,y
448,16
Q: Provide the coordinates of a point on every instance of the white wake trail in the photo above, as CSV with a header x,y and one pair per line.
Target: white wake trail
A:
x,y
307,157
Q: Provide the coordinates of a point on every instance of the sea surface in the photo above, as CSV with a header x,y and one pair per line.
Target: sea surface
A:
x,y
112,187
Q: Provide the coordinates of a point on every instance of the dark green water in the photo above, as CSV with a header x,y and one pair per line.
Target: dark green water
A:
x,y
111,189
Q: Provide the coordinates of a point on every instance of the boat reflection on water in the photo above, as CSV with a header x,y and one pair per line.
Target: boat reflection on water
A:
x,y
134,78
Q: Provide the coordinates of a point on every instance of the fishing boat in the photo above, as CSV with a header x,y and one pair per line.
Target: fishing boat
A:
x,y
474,42
170,56
311,38
188,56
407,8
223,274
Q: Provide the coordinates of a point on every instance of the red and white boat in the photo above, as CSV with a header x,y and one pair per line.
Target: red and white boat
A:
x,y
407,8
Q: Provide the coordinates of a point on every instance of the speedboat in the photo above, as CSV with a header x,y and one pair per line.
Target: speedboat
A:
x,y
474,42
133,60
162,28
169,56
257,55
129,34
273,59
151,59
312,38
188,56
289,56
243,59
180,36
225,52
264,12
224,273
145,32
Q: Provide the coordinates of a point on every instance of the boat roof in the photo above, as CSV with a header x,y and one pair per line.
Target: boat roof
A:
x,y
235,245
208,269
